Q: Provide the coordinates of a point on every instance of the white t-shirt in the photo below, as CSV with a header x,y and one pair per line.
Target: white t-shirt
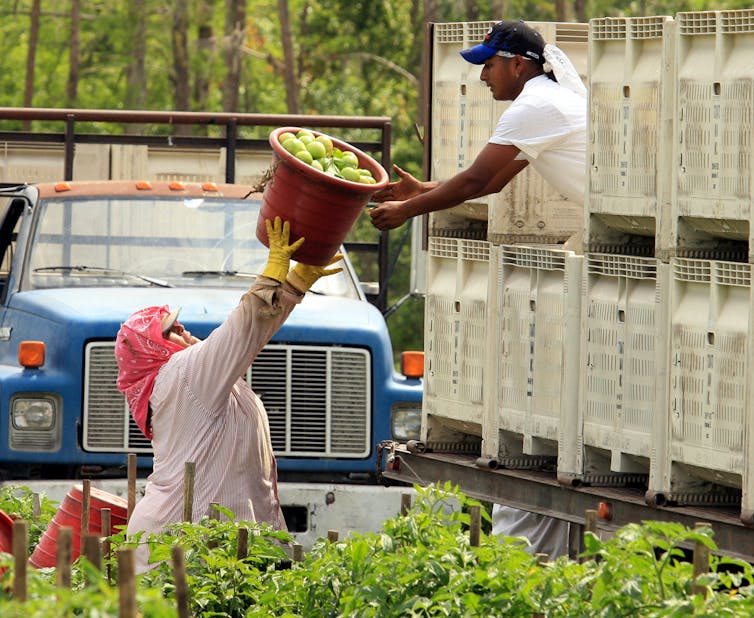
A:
x,y
547,123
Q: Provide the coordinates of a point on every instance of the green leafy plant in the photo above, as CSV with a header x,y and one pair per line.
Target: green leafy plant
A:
x,y
420,564
221,583
18,502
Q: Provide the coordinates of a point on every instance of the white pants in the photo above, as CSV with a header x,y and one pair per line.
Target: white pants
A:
x,y
547,535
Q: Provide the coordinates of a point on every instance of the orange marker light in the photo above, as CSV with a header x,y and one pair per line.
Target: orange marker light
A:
x,y
31,354
143,185
412,364
62,186
176,185
605,510
209,186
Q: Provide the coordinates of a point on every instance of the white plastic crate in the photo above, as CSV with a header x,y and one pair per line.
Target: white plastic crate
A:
x,y
190,165
622,388
464,116
534,342
46,162
455,337
630,130
708,413
714,167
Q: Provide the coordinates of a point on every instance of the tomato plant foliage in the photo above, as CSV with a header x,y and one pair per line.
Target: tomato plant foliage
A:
x,y
420,564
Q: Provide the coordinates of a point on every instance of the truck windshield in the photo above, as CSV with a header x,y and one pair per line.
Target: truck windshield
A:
x,y
141,241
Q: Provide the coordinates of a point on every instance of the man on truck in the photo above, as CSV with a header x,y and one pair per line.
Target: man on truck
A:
x,y
187,396
544,126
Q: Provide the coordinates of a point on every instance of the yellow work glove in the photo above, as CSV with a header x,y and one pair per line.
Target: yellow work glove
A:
x,y
279,259
303,276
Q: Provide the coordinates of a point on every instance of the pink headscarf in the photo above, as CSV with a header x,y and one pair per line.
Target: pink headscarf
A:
x,y
141,350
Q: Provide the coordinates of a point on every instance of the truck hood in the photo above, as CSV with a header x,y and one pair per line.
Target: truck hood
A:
x,y
201,309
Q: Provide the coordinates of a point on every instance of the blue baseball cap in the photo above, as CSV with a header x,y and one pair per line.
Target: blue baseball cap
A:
x,y
510,38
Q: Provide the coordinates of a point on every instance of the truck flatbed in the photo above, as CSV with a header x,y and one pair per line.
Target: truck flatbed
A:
x,y
539,491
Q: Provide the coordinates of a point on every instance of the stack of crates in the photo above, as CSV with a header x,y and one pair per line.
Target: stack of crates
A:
x,y
623,305
511,277
631,363
707,242
665,381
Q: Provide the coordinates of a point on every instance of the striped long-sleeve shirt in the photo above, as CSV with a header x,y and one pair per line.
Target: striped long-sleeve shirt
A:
x,y
204,412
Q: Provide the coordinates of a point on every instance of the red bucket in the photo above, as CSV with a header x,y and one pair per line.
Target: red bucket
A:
x,y
69,514
319,207
6,533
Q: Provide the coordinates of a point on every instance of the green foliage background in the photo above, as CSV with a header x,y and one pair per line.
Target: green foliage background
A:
x,y
352,57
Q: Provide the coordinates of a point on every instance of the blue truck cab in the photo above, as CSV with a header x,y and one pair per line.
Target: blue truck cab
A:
x,y
79,257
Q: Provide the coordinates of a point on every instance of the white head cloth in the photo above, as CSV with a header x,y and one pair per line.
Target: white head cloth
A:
x,y
563,69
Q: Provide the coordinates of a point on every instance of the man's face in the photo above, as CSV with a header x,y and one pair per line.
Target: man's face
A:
x,y
502,77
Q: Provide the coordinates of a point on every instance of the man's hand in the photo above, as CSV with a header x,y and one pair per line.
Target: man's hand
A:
x,y
303,276
388,216
279,259
402,189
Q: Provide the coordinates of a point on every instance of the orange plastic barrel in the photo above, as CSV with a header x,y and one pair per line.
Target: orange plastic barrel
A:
x,y
69,514
6,533
318,206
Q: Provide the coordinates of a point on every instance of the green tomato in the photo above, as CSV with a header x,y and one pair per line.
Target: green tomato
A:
x,y
305,156
350,173
306,138
317,149
293,145
285,136
350,159
302,132
327,143
316,164
366,180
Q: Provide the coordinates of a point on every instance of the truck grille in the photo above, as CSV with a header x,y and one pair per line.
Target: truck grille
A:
x,y
317,400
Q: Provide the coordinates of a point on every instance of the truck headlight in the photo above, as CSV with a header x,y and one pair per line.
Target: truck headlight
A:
x,y
37,413
34,422
406,420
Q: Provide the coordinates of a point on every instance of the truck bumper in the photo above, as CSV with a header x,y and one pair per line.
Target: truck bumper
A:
x,y
311,509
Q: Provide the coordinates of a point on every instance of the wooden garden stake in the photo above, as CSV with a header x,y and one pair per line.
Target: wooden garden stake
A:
x,y
701,562
106,518
63,553
90,549
405,504
298,552
590,521
20,543
126,584
242,543
332,536
36,506
181,582
214,514
85,506
475,526
131,485
189,473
